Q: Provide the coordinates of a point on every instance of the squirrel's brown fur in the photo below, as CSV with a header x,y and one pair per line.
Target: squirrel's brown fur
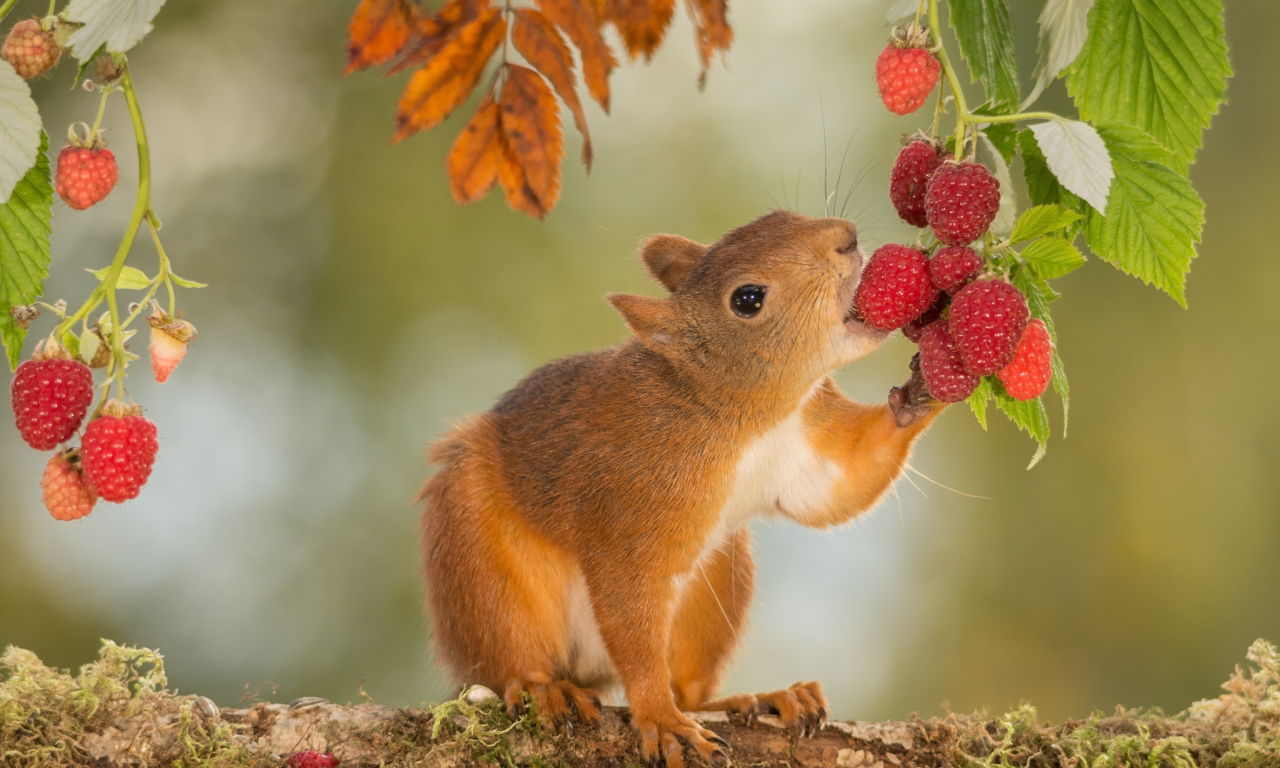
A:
x,y
591,529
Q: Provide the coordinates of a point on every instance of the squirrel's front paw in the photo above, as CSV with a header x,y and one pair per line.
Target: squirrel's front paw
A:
x,y
802,707
661,740
912,400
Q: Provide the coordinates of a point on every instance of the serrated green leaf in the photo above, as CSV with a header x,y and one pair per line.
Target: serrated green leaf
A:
x,y
185,283
1060,385
1160,65
1064,26
1154,217
19,129
1078,157
24,247
131,278
1052,257
89,343
1028,415
1002,225
985,35
117,24
1043,187
1042,220
978,401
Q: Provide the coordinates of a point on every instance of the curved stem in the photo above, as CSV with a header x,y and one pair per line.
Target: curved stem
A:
x,y
8,6
962,110
1012,118
102,107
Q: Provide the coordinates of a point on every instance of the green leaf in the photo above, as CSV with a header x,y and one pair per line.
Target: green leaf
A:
x,y
1160,65
185,283
1052,257
1043,187
1029,416
1154,217
1039,295
1002,225
19,129
24,247
131,278
1064,26
978,401
986,40
117,24
1041,220
1004,137
1078,157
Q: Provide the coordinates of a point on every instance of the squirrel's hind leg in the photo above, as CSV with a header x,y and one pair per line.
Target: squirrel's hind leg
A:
x,y
496,588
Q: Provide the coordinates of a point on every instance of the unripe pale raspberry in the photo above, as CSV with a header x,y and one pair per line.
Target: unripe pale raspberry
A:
x,y
905,72
987,320
66,494
169,340
945,374
118,451
910,179
51,394
85,175
895,287
953,267
961,202
30,49
1028,375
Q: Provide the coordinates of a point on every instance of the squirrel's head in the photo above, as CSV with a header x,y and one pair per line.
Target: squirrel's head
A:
x,y
769,306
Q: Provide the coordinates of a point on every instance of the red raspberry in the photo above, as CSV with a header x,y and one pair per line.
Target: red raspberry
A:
x,y
910,177
952,268
915,328
895,287
961,202
944,371
987,320
51,393
85,175
906,72
118,451
66,494
1029,373
30,49
312,759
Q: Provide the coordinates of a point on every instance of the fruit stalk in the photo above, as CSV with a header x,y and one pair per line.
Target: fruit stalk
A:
x,y
8,6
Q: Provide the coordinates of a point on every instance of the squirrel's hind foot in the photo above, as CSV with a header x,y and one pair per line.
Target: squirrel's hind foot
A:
x,y
661,742
554,701
802,708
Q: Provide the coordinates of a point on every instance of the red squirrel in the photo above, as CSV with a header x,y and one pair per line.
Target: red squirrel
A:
x,y
591,530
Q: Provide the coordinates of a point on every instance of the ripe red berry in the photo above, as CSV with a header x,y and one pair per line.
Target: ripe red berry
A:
x,y
952,268
895,287
312,759
85,175
961,202
942,367
118,451
31,50
915,328
910,178
51,393
66,494
905,71
1029,373
987,320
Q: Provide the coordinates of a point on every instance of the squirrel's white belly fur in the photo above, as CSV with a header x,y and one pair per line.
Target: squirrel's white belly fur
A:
x,y
779,474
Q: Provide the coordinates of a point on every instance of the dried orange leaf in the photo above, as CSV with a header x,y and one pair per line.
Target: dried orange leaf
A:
x,y
450,76
530,171
539,42
476,154
711,29
582,25
434,32
379,29
642,24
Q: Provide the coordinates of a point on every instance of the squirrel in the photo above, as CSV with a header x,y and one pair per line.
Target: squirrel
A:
x,y
591,530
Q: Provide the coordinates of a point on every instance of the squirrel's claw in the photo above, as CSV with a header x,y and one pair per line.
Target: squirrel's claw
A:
x,y
911,400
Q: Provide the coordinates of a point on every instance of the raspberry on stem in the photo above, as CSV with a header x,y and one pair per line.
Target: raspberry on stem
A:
x,y
910,179
944,371
118,451
953,267
895,287
1028,375
64,490
30,49
987,320
961,202
50,393
906,72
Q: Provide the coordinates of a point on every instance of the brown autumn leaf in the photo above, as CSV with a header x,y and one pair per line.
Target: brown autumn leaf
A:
x,y
450,76
711,30
434,32
642,23
379,29
530,170
582,25
476,154
541,45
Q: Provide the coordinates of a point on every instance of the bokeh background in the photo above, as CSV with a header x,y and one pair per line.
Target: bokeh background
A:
x,y
355,310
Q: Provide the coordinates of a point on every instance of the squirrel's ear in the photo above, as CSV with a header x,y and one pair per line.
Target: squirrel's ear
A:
x,y
670,257
651,320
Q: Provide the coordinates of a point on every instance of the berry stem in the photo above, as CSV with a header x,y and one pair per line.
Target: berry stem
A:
x,y
8,6
53,6
102,107
164,268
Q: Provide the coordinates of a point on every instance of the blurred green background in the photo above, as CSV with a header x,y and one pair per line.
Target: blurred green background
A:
x,y
356,310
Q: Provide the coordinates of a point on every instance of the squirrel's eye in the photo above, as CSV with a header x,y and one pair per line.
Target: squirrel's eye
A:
x,y
747,300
